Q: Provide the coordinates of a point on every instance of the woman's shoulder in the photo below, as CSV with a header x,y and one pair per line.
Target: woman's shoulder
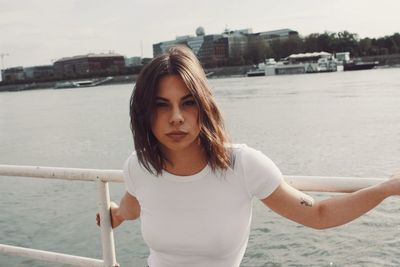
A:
x,y
133,169
133,155
246,154
132,160
240,149
242,153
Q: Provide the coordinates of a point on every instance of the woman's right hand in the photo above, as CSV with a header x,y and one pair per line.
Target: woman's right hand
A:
x,y
116,219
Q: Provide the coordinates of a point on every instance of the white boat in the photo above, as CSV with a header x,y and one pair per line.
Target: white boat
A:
x,y
84,83
259,71
302,63
348,63
256,72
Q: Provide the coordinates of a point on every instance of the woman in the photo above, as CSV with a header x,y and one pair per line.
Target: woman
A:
x,y
192,189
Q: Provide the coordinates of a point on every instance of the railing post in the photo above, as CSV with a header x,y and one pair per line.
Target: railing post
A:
x,y
107,236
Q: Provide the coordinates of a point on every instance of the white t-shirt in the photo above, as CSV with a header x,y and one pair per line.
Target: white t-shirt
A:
x,y
202,219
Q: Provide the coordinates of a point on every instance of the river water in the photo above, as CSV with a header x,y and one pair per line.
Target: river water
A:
x,y
330,124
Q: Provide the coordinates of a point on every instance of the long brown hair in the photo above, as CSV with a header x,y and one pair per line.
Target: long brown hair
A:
x,y
178,60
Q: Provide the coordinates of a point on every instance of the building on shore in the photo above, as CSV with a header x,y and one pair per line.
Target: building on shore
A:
x,y
14,74
213,49
89,65
133,61
29,74
227,48
282,34
76,67
39,73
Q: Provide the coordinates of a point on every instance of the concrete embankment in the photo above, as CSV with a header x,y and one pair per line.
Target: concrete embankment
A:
x,y
27,86
228,71
385,60
221,72
49,85
214,73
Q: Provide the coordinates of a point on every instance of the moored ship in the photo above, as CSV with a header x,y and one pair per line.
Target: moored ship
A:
x,y
344,59
297,64
360,65
78,84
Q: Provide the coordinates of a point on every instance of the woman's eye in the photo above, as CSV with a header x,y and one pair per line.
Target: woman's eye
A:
x,y
189,103
161,104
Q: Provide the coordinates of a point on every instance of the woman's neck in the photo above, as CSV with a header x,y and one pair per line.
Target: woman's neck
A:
x,y
186,162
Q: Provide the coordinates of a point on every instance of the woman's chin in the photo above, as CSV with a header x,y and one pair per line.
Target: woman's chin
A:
x,y
181,146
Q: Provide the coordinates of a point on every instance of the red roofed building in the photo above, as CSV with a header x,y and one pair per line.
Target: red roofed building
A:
x,y
89,65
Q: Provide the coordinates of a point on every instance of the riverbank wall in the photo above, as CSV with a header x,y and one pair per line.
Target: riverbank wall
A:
x,y
385,60
50,85
212,73
228,71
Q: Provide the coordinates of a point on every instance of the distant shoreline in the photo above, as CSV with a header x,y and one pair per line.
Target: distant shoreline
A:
x,y
221,72
51,85
121,79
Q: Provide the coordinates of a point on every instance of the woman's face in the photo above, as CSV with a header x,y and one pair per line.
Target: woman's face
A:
x,y
175,122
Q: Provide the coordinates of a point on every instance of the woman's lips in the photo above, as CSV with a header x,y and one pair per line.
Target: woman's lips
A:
x,y
177,135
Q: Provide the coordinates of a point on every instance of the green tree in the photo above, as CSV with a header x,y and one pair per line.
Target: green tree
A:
x,y
365,47
345,42
311,42
256,51
283,48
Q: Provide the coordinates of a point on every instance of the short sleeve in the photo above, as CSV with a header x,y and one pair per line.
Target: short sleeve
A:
x,y
128,178
261,175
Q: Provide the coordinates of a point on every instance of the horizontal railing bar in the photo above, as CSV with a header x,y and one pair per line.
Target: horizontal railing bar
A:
x,y
331,184
304,183
50,256
62,173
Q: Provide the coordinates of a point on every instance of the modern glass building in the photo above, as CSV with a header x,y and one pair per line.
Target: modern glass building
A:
x,y
217,49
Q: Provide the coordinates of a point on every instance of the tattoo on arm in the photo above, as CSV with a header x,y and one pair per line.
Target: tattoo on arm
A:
x,y
306,202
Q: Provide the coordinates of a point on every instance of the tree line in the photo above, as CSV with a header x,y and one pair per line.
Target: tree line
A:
x,y
331,42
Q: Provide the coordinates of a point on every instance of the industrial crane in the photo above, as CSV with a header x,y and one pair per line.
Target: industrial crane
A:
x,y
2,59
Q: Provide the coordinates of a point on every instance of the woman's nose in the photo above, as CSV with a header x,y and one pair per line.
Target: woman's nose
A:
x,y
176,116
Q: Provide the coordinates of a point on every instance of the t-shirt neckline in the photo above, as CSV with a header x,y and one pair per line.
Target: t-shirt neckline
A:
x,y
186,178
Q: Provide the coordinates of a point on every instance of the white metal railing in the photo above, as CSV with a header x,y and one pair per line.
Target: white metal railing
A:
x,y
102,177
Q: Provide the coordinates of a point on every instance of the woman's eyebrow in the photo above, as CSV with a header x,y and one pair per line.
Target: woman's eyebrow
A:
x,y
187,96
167,100
162,98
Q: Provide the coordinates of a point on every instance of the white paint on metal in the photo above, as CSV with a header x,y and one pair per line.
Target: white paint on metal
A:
x,y
331,184
304,183
102,177
107,236
51,256
62,173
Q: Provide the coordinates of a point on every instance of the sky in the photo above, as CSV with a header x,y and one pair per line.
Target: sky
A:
x,y
34,32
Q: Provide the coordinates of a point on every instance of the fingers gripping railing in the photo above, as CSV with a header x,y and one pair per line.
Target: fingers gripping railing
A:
x,y
107,236
102,177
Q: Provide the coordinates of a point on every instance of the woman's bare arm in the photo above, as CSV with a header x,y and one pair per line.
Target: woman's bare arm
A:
x,y
128,209
299,207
